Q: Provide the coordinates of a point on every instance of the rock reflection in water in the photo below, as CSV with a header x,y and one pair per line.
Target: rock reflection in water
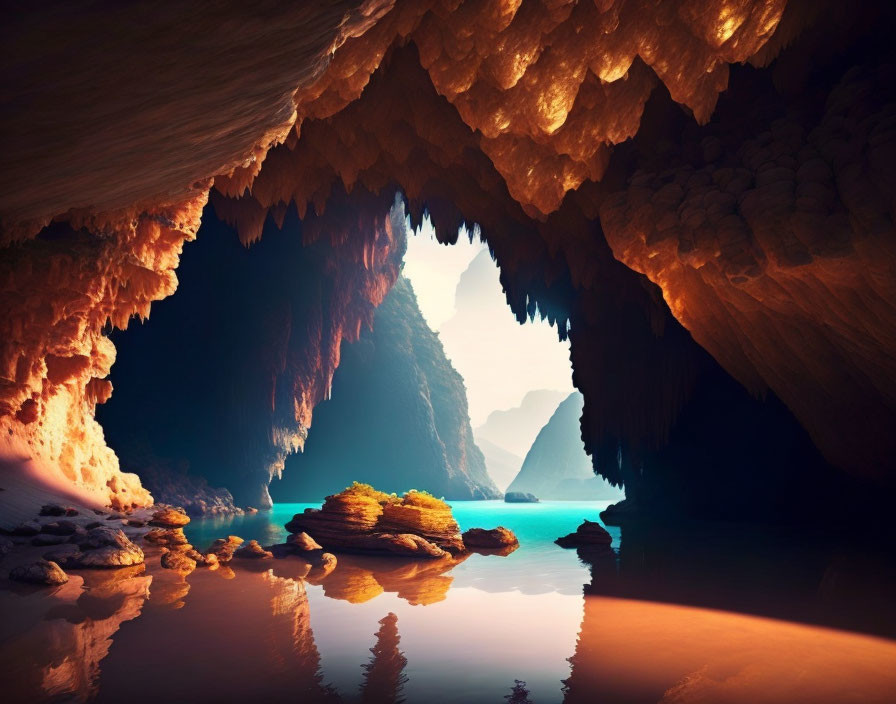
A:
x,y
53,644
384,675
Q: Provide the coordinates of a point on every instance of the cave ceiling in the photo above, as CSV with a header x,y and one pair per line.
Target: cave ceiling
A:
x,y
723,169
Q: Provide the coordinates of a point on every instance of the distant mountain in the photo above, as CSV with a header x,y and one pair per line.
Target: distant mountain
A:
x,y
515,429
503,466
397,417
556,467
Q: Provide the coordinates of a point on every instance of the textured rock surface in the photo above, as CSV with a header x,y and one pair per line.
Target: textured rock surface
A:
x,y
365,520
404,406
253,551
169,517
490,538
40,572
224,548
102,547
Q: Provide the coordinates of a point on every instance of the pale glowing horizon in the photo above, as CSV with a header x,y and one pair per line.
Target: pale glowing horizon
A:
x,y
499,359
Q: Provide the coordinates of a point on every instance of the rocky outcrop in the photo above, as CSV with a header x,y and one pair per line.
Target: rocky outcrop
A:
x,y
40,572
99,548
169,517
253,551
362,519
589,534
520,497
224,548
490,539
556,466
404,406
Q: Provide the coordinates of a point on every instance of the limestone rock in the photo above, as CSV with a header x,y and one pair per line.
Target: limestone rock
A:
x,y
166,537
224,548
494,538
39,572
302,542
361,519
253,550
589,534
103,547
177,560
169,517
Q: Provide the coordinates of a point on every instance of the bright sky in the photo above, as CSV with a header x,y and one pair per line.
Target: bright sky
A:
x,y
499,359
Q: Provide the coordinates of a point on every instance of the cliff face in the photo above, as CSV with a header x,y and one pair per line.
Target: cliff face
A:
x,y
646,175
222,384
556,466
397,417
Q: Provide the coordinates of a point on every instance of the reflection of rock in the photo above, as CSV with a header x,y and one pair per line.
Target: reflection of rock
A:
x,y
52,644
519,693
39,572
361,519
520,497
588,535
384,675
360,578
490,539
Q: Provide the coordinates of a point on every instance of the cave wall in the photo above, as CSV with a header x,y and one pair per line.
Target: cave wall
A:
x,y
222,384
589,141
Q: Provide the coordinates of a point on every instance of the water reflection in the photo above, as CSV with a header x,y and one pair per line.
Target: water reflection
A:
x,y
673,616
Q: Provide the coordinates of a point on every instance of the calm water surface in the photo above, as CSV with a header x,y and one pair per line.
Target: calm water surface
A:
x,y
383,630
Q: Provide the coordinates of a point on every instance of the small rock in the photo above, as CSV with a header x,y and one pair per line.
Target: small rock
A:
x,y
589,534
520,497
134,523
60,528
253,550
302,542
39,572
251,510
176,560
224,548
57,510
494,538
169,517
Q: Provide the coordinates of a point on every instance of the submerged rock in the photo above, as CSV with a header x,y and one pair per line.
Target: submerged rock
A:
x,y
520,497
589,534
39,572
494,538
169,517
362,519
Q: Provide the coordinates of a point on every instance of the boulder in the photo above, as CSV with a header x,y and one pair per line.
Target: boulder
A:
x,y
39,572
620,512
103,547
224,548
588,535
169,517
520,497
254,551
302,542
166,537
177,560
490,539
